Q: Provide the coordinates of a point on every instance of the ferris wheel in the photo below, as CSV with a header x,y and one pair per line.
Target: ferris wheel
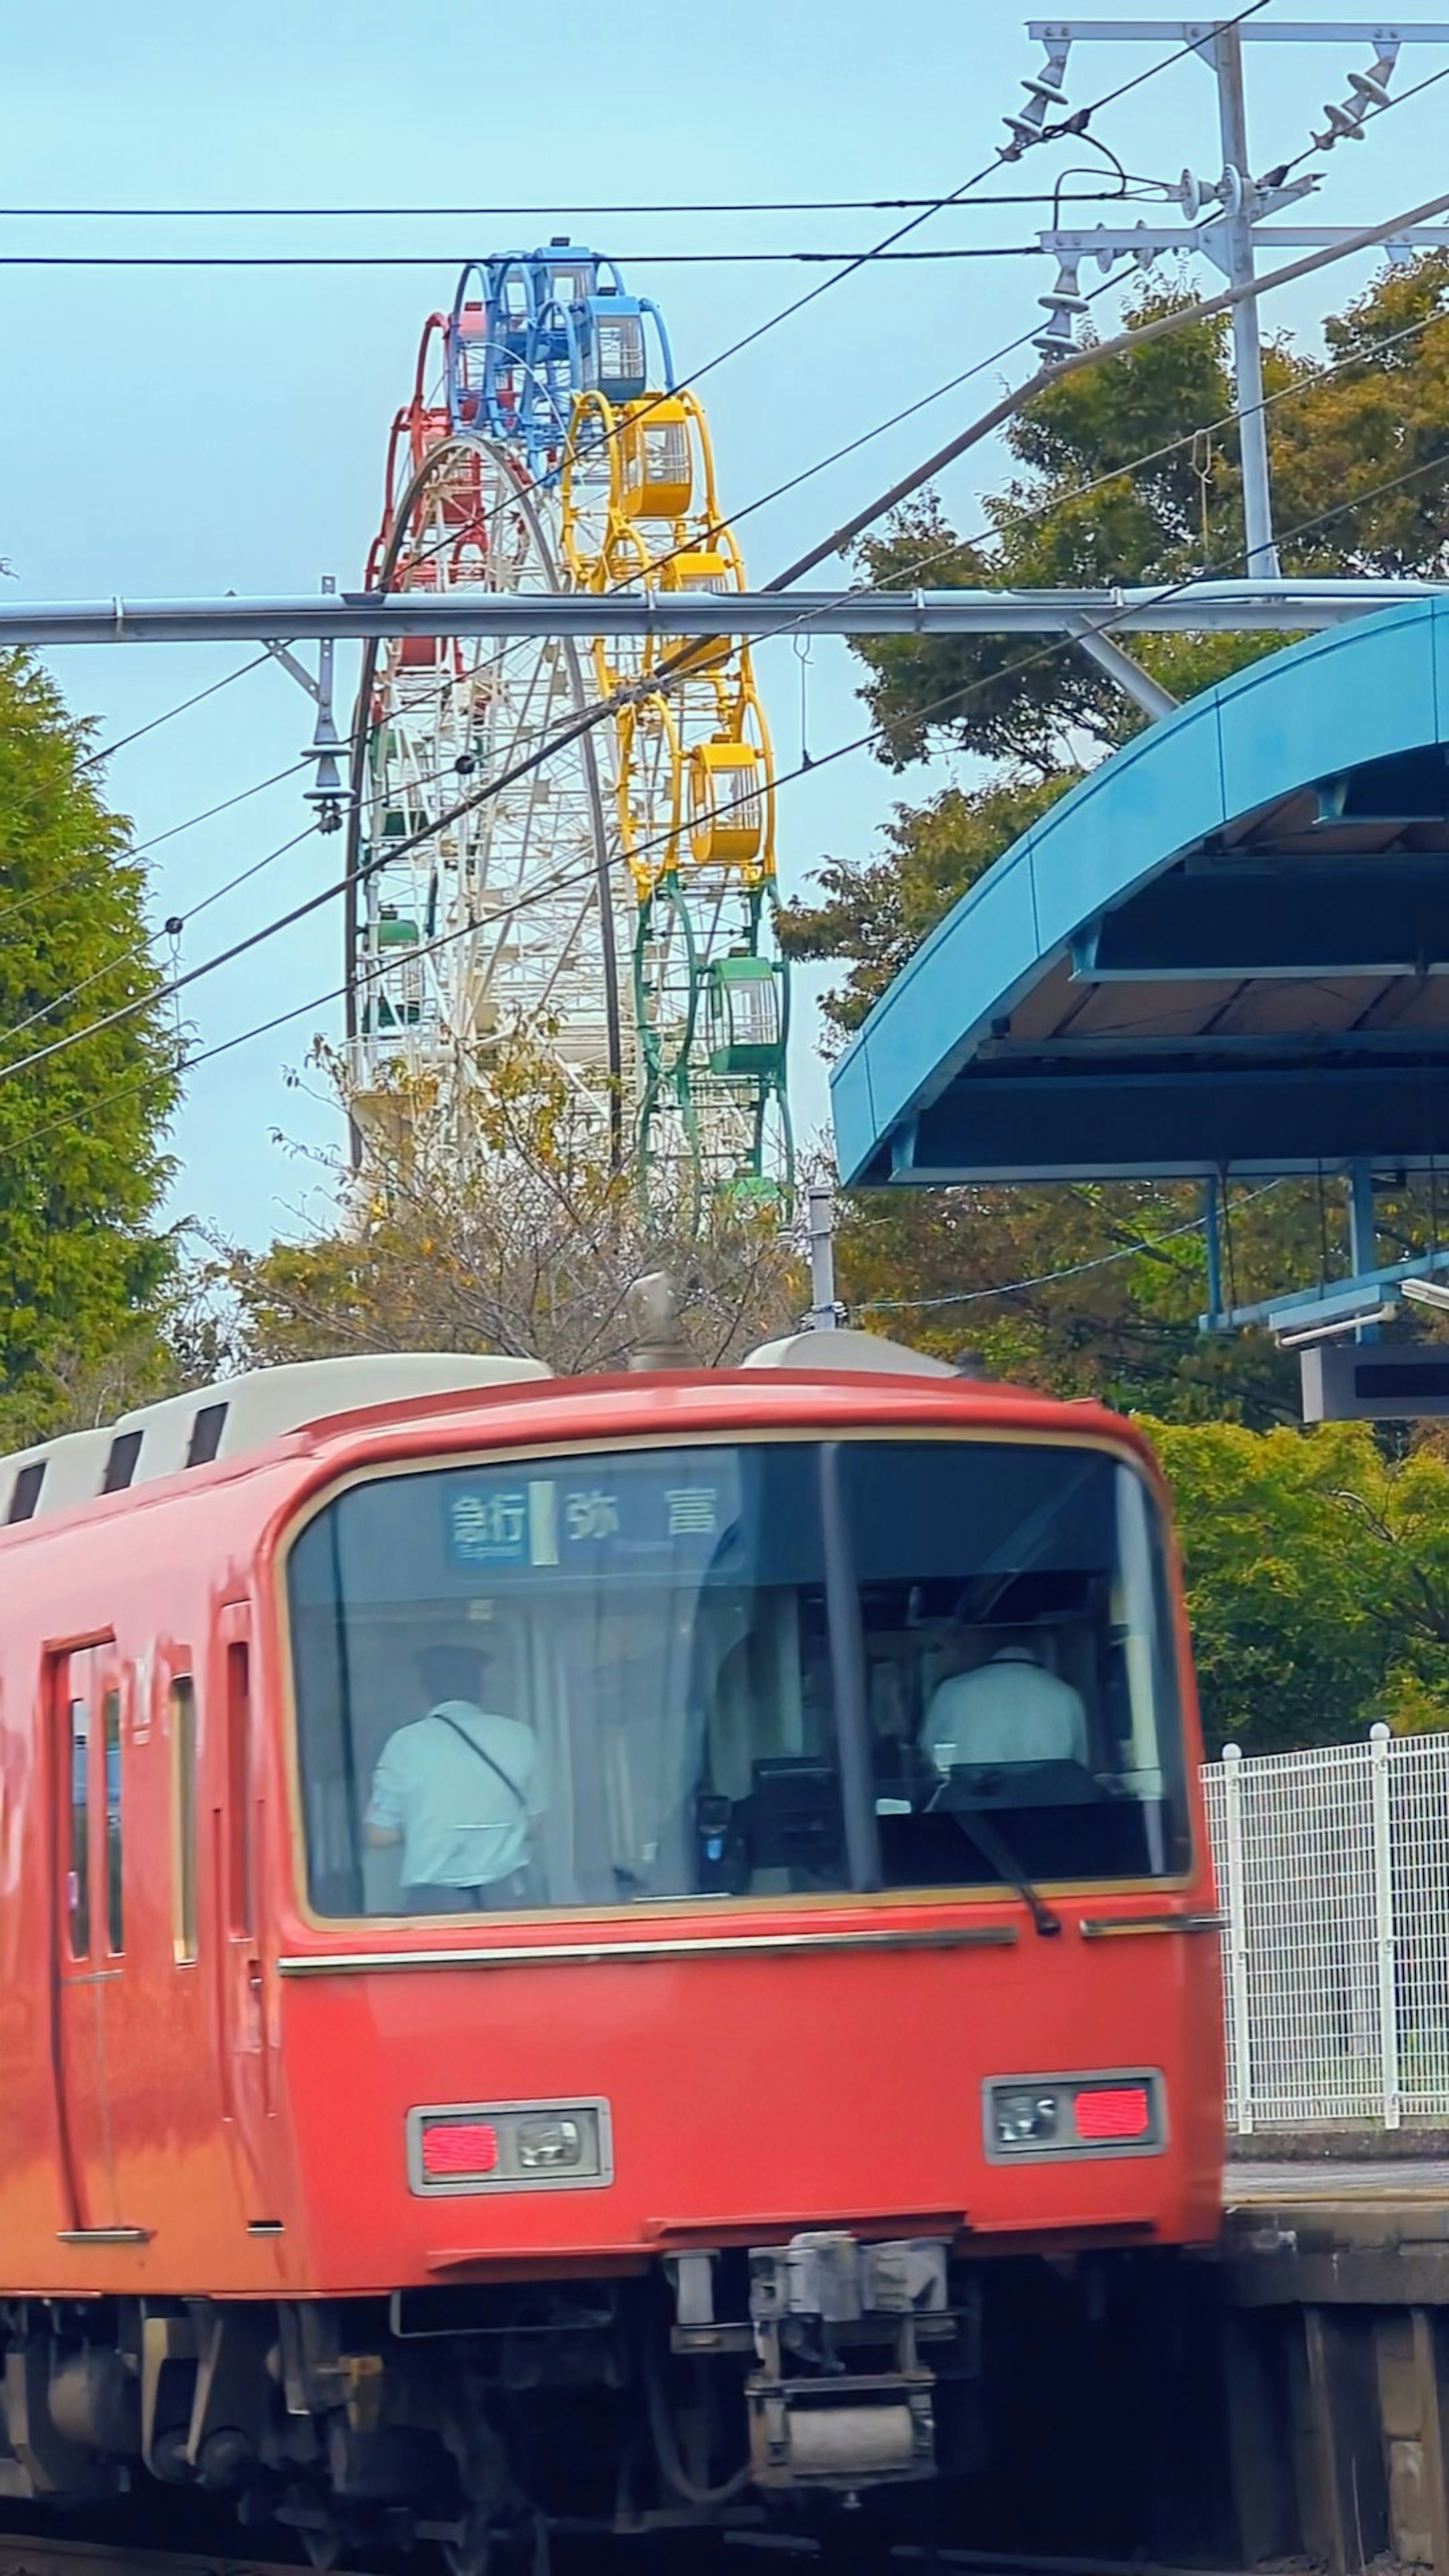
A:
x,y
607,886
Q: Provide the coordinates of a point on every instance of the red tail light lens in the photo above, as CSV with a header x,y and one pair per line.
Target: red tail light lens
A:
x,y
1109,2112
453,2148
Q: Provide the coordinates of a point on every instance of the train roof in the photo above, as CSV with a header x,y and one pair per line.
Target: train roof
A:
x,y
243,1416
232,1417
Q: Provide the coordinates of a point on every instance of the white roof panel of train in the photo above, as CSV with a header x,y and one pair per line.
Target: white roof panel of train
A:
x,y
229,1419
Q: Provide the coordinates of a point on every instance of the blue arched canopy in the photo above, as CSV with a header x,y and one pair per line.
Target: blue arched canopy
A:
x,y
1227,951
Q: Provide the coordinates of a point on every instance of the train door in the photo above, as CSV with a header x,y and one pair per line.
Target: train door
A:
x,y
238,1848
84,1963
131,1928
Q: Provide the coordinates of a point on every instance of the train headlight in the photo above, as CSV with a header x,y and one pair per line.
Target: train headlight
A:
x,y
549,2146
1027,2119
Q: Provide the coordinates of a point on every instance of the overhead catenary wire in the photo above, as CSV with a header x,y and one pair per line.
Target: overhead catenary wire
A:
x,y
1119,344
1076,125
309,259
520,214
312,903
180,983
1049,1278
597,714
1400,98
108,750
284,1019
1057,371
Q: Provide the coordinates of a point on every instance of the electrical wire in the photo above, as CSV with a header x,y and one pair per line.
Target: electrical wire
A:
x,y
549,749
44,895
430,258
1130,467
1007,152
1400,98
679,661
1072,124
177,984
109,750
510,214
1047,1278
1122,343
585,873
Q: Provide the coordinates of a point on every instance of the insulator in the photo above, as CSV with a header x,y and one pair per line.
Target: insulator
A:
x,y
1372,87
1045,90
1063,302
1193,194
1343,127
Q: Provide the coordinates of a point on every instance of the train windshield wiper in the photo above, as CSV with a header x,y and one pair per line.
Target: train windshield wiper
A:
x,y
993,1846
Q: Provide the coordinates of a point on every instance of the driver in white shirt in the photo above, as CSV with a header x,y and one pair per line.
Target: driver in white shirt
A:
x,y
460,1789
1009,1709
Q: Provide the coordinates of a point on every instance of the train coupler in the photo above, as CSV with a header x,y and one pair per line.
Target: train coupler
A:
x,y
816,2306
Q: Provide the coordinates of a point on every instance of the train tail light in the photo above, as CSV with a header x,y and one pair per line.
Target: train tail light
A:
x,y
458,2150
1111,2114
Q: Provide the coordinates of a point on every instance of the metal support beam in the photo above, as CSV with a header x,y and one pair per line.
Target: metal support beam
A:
x,y
1348,917
1333,1301
1170,1122
1130,243
1129,676
1254,31
1232,607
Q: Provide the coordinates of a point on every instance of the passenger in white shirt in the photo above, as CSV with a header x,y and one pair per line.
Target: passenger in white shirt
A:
x,y
1010,1709
459,1788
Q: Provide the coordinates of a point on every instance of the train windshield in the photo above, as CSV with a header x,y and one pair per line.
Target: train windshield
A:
x,y
710,1671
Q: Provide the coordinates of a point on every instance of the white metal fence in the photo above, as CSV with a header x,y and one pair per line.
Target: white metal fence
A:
x,y
1333,1877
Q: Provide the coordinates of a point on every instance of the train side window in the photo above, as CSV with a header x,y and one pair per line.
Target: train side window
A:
x,y
183,1756
115,1883
239,1793
78,1886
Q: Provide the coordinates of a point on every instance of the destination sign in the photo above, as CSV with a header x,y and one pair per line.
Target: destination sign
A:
x,y
602,1517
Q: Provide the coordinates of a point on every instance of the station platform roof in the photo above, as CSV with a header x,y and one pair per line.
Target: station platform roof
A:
x,y
1226,951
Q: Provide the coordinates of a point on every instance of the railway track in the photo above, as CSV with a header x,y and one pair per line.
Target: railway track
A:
x,y
41,2554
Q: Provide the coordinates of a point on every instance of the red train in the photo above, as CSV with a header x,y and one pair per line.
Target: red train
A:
x,y
574,1948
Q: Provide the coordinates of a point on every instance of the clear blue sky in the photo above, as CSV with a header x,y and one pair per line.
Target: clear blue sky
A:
x,y
185,432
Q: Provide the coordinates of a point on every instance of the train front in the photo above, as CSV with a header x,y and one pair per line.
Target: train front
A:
x,y
743,1996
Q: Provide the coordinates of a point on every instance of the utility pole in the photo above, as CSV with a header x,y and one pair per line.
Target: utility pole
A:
x,y
1247,341
1230,237
824,1315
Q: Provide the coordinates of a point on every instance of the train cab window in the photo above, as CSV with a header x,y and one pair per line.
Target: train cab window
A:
x,y
115,1895
183,1757
78,1884
776,1669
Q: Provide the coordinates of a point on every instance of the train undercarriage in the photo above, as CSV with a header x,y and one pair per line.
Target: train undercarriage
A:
x,y
1052,2396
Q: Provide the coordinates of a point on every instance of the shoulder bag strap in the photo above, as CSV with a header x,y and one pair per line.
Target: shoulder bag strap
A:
x,y
496,1768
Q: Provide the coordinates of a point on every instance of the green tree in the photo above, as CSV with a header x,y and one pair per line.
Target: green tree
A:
x,y
1317,1580
1080,508
82,1168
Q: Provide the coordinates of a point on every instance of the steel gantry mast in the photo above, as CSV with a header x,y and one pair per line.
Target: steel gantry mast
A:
x,y
1224,215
